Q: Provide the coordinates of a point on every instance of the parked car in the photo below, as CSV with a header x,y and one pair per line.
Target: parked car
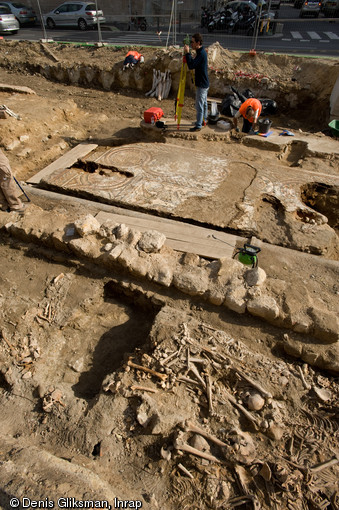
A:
x,y
74,14
274,4
298,3
24,14
310,8
331,8
8,23
248,5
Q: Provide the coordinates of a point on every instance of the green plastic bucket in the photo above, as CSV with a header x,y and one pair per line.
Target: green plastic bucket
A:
x,y
334,125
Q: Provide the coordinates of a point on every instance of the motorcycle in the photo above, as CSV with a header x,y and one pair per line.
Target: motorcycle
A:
x,y
245,22
205,17
223,19
138,23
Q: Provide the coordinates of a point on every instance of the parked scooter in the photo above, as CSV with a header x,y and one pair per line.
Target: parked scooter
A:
x,y
138,23
205,17
246,21
223,19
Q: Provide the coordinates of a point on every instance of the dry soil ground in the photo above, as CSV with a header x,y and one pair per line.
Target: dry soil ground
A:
x,y
72,422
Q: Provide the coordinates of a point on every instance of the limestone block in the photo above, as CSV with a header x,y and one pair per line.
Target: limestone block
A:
x,y
190,259
151,241
161,269
255,277
57,240
235,298
114,254
86,247
263,306
325,325
86,226
191,280
139,266
216,294
230,268
133,236
121,231
302,324
127,256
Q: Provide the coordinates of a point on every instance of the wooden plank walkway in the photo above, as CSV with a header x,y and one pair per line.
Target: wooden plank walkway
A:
x,y
180,236
65,161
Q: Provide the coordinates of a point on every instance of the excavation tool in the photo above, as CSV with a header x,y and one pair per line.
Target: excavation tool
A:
x,y
248,255
4,108
28,199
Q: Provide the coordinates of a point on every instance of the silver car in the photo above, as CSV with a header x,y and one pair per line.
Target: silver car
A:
x,y
24,14
310,8
8,23
72,14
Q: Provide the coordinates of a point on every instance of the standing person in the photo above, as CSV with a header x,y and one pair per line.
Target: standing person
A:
x,y
199,64
250,110
8,190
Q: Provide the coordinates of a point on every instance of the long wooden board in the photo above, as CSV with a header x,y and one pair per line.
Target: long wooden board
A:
x,y
64,161
181,236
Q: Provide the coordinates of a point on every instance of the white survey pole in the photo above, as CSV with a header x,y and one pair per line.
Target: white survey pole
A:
x,y
258,18
42,21
98,22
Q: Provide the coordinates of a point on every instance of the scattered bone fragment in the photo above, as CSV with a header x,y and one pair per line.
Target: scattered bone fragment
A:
x,y
243,449
324,465
165,453
163,377
53,396
275,432
265,472
322,393
134,387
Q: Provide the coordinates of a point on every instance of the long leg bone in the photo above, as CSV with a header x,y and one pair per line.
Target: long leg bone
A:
x,y
190,427
180,445
163,377
242,409
306,385
255,384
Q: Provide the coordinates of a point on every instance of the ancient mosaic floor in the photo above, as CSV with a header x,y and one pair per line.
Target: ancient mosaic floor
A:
x,y
148,176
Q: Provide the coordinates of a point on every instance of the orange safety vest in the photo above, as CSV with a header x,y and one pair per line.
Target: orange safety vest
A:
x,y
134,54
253,103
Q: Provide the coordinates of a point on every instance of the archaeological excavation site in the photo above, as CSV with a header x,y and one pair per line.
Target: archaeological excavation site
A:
x,y
169,299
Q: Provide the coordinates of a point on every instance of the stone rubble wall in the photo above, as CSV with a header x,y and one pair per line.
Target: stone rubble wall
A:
x,y
222,282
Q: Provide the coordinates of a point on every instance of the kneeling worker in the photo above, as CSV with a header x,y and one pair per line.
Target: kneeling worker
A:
x,y
132,58
8,191
250,110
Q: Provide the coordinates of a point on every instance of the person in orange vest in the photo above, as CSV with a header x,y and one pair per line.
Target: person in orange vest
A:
x,y
132,58
250,111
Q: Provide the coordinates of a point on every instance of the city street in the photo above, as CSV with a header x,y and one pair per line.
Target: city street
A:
x,y
306,36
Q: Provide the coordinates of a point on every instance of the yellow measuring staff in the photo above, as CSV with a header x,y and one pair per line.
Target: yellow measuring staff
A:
x,y
181,91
